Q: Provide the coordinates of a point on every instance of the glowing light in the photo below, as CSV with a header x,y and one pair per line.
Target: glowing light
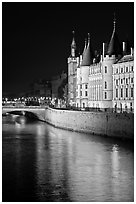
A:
x,y
115,148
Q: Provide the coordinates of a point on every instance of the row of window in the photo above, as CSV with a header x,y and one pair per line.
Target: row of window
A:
x,y
117,93
95,70
117,82
125,80
117,70
86,86
122,70
86,93
126,92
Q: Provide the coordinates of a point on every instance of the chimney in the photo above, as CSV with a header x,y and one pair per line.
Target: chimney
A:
x,y
81,58
124,47
78,61
103,52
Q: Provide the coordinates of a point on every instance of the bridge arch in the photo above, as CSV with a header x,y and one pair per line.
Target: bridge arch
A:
x,y
37,113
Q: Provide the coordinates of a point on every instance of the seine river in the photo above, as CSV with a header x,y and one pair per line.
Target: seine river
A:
x,y
43,163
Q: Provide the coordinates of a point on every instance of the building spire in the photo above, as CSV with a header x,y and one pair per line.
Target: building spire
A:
x,y
114,47
88,39
114,21
73,45
85,46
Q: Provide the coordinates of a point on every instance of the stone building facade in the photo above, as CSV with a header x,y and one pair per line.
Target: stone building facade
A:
x,y
123,83
91,78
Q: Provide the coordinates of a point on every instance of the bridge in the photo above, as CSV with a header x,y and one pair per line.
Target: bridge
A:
x,y
37,111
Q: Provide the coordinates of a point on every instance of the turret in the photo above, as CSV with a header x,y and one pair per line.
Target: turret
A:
x,y
72,69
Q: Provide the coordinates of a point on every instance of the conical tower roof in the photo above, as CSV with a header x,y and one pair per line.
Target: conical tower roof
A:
x,y
114,47
87,56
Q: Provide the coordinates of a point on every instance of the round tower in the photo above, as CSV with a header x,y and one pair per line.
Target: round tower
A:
x,y
113,53
85,65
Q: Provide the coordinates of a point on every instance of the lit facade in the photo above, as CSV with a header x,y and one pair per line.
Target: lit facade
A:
x,y
123,83
92,78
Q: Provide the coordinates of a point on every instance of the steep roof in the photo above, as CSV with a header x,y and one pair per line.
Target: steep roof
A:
x,y
126,58
114,47
87,56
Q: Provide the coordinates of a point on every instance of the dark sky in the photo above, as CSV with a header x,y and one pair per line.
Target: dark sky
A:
x,y
36,37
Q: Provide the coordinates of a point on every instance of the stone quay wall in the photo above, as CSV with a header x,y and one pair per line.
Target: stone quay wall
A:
x,y
100,123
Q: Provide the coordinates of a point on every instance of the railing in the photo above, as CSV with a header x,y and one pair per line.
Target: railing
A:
x,y
24,107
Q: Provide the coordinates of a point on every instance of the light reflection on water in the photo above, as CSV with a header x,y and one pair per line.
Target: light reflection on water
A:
x,y
43,163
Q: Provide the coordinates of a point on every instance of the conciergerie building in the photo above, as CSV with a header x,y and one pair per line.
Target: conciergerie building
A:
x,y
105,80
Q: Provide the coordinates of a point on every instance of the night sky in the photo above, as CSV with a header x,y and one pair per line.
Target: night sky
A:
x,y
36,37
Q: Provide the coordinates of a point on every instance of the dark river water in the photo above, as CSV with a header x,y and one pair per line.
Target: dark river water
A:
x,y
43,163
